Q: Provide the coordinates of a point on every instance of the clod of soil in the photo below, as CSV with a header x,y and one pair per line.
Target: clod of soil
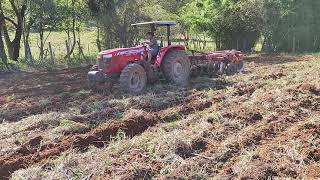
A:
x,y
186,151
34,142
314,155
199,145
140,173
274,76
305,87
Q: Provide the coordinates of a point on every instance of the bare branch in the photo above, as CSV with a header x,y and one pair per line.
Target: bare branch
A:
x,y
14,7
45,40
11,21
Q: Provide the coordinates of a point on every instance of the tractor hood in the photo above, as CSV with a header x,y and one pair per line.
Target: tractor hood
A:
x,y
123,51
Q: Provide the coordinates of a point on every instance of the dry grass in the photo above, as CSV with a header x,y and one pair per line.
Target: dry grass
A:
x,y
263,124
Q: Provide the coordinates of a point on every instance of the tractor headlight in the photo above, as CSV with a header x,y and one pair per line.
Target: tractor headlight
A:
x,y
105,61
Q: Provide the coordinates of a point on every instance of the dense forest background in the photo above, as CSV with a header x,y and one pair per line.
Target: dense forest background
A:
x,y
38,32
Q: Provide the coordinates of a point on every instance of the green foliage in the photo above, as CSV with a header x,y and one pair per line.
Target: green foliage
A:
x,y
276,25
291,26
196,16
233,24
43,15
72,9
114,18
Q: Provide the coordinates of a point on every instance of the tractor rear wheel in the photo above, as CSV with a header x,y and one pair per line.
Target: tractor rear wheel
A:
x,y
176,67
133,78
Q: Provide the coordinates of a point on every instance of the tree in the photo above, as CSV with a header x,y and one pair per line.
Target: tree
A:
x,y
43,18
3,55
291,26
26,32
233,24
115,17
18,11
73,14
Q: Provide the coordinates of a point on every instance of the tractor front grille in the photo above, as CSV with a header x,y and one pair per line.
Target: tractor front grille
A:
x,y
104,63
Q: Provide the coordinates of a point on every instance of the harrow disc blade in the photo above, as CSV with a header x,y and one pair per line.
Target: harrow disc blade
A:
x,y
240,67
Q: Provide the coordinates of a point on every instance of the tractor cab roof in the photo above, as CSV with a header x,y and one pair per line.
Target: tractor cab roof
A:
x,y
156,23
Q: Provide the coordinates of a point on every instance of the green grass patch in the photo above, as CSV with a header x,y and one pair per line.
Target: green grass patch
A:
x,y
67,122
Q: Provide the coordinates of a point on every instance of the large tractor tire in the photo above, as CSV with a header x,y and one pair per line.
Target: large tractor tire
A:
x,y
133,78
176,67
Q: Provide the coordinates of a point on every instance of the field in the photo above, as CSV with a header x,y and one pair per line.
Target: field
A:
x,y
88,43
263,123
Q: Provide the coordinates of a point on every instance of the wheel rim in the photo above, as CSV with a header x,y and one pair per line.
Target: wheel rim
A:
x,y
135,80
177,69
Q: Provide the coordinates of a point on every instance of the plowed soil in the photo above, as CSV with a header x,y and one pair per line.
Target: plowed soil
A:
x,y
261,124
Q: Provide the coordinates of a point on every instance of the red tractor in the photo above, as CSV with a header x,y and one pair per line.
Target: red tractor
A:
x,y
132,66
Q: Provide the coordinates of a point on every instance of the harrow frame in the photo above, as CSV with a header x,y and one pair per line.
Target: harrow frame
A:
x,y
217,62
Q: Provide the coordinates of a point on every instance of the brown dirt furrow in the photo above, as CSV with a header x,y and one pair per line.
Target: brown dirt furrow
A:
x,y
186,97
37,82
17,114
271,150
43,90
215,135
97,137
217,158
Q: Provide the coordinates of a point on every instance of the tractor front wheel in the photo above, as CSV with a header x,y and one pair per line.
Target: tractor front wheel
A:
x,y
133,78
176,67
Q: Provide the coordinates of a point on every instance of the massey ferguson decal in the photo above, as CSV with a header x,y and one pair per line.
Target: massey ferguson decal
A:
x,y
131,52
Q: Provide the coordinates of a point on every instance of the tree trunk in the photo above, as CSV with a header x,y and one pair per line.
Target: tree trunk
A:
x,y
14,46
41,47
267,45
98,40
73,32
186,39
121,30
294,43
7,40
204,42
27,50
51,54
74,38
68,53
18,36
3,55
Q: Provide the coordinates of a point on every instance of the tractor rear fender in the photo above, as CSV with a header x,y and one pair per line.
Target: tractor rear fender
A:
x,y
163,52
